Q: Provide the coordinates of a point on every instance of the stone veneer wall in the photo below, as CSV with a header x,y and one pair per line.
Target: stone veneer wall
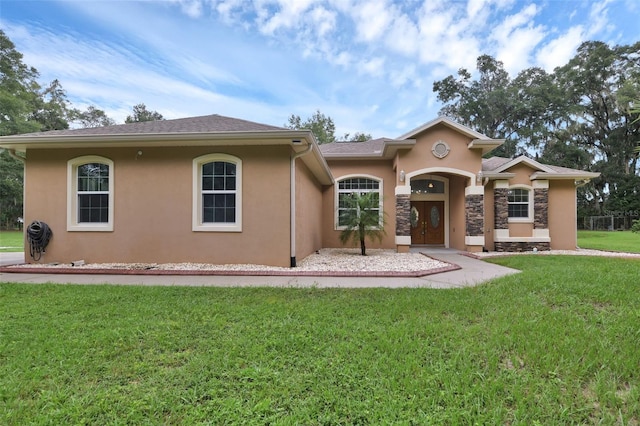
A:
x,y
520,246
474,215
501,208
403,215
541,208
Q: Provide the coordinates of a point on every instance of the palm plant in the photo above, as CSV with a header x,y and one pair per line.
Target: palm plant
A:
x,y
361,217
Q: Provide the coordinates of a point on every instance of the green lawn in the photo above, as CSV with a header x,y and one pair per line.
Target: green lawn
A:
x,y
625,241
11,241
557,344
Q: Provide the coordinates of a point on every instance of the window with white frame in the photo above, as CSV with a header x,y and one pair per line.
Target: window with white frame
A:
x,y
519,204
355,185
217,183
90,182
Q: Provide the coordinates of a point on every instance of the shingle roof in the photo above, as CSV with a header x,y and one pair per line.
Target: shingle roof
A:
x,y
382,148
202,124
495,163
353,148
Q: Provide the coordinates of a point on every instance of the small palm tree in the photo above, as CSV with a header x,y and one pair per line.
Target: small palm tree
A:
x,y
361,218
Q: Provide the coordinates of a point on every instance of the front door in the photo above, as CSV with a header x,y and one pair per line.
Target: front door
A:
x,y
427,222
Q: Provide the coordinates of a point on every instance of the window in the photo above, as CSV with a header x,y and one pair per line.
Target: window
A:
x,y
518,200
90,194
347,187
217,193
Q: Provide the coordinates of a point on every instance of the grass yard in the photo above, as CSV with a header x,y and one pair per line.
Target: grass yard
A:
x,y
625,241
11,241
557,344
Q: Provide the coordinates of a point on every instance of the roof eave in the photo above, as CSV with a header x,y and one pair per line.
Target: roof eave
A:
x,y
498,176
276,137
564,176
486,145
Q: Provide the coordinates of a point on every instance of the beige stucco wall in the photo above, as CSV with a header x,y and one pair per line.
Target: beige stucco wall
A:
x,y
457,221
308,212
562,214
381,169
459,158
153,207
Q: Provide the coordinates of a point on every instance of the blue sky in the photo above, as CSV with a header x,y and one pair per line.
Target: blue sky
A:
x,y
369,64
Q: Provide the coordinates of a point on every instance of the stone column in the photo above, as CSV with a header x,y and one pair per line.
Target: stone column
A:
x,y
403,218
500,213
540,208
474,217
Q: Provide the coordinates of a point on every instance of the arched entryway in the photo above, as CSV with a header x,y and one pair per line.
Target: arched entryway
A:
x,y
429,210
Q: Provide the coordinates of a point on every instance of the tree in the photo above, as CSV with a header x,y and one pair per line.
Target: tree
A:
x,y
18,91
320,125
361,218
140,113
357,137
11,182
517,110
52,109
93,117
598,82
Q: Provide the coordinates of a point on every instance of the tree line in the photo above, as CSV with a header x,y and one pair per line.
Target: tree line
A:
x,y
583,115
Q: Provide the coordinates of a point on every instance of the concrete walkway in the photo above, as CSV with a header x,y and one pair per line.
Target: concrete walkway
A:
x,y
472,272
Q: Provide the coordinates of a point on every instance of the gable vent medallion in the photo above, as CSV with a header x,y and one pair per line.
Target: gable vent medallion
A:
x,y
440,149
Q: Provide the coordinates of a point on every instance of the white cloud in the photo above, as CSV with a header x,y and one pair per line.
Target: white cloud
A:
x,y
560,50
517,37
373,66
192,8
372,18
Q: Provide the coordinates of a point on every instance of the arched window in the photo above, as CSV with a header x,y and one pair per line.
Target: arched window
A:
x,y
347,186
90,181
217,193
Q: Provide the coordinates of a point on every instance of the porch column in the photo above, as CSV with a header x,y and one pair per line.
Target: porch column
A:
x,y
403,218
474,217
541,208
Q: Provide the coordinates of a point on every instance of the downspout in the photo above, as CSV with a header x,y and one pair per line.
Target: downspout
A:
x,y
14,154
292,187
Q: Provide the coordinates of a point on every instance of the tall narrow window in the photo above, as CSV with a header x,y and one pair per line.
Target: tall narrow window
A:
x,y
355,185
519,203
93,193
217,193
90,194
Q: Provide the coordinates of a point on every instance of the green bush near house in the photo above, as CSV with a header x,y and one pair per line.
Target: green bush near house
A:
x,y
556,344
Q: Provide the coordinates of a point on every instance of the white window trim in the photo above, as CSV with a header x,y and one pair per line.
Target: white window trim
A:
x,y
530,206
72,195
197,224
337,195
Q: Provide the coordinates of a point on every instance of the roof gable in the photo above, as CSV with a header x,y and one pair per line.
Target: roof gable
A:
x,y
523,160
447,122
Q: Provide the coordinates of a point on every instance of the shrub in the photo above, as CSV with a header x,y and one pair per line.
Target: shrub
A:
x,y
636,226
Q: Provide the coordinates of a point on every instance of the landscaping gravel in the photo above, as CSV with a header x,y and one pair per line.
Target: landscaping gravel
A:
x,y
325,260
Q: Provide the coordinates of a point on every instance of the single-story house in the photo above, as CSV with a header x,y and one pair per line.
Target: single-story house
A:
x,y
215,189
